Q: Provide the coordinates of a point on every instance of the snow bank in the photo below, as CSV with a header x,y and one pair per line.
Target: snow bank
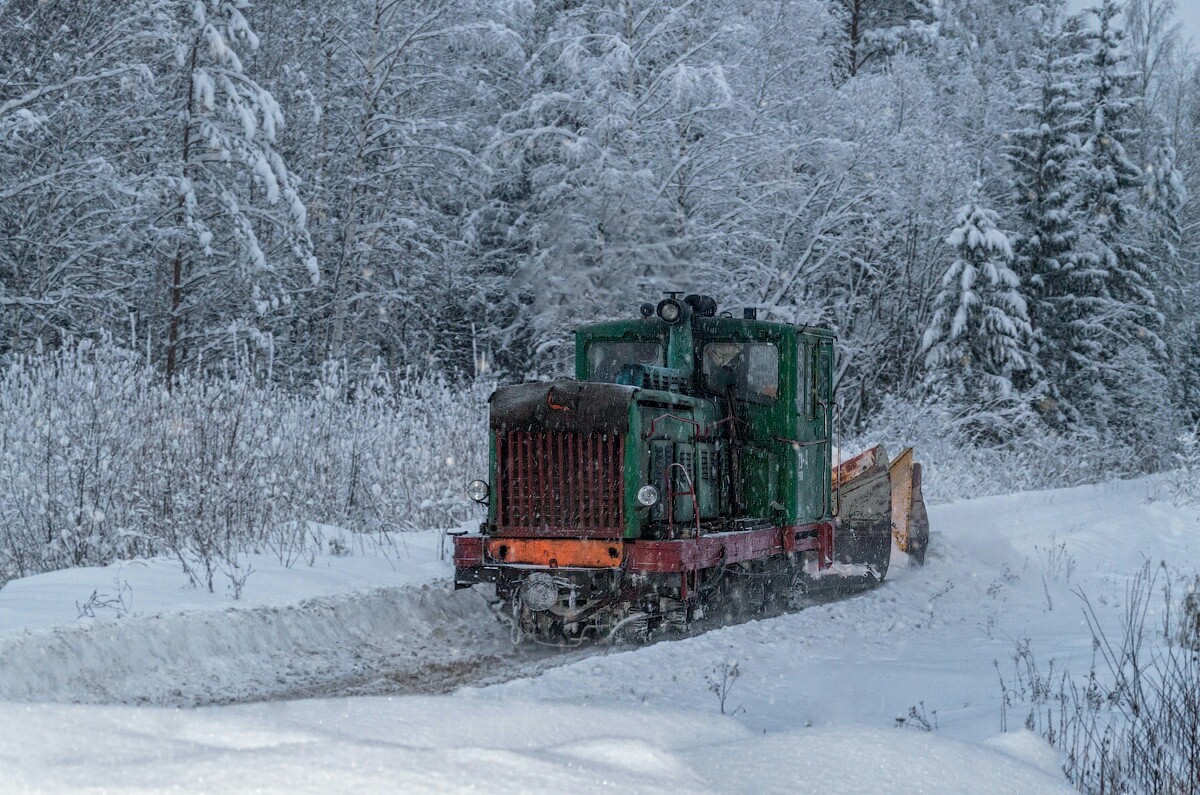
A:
x,y
143,588
426,744
206,656
154,639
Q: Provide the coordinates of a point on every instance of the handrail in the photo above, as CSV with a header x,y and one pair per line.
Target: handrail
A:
x,y
838,491
677,418
671,495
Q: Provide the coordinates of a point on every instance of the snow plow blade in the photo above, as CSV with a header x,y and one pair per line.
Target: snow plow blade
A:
x,y
910,522
908,518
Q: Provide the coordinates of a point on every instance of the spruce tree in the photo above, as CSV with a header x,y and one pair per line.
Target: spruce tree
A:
x,y
980,335
234,229
1042,155
1164,196
1120,320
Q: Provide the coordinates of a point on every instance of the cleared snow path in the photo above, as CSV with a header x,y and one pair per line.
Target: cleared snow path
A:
x,y
1001,571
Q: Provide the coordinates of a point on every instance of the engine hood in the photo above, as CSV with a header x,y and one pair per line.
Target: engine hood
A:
x,y
563,405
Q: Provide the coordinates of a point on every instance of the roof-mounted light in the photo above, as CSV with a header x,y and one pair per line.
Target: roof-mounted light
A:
x,y
670,311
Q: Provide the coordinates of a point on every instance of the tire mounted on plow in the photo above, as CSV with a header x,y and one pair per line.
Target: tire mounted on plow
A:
x,y
687,470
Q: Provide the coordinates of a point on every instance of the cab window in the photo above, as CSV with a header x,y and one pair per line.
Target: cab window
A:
x,y
751,368
606,360
806,381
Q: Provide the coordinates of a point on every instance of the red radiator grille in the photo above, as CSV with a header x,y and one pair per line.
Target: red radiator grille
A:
x,y
562,483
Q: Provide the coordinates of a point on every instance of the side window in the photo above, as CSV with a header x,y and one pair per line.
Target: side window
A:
x,y
805,380
751,368
823,383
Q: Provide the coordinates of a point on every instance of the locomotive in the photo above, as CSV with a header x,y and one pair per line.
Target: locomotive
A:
x,y
689,467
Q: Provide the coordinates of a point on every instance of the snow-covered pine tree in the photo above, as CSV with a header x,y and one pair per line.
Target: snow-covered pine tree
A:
x,y
1186,362
235,230
1164,196
873,29
1042,154
1112,276
980,334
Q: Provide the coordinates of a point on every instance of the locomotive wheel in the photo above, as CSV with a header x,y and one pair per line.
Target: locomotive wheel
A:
x,y
677,621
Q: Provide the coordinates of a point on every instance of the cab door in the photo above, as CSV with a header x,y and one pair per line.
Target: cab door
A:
x,y
756,364
813,423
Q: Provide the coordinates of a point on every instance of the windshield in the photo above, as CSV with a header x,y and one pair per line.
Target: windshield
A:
x,y
751,368
607,359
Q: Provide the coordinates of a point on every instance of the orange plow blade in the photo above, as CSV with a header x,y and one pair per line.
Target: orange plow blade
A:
x,y
910,521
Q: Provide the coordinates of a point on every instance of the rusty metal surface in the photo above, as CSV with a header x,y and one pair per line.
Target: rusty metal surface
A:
x,y
864,525
722,549
901,474
910,522
468,551
860,465
560,483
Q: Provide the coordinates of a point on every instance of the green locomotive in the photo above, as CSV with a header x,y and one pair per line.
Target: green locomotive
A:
x,y
688,467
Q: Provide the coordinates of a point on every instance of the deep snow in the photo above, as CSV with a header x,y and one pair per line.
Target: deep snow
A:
x,y
428,744
814,709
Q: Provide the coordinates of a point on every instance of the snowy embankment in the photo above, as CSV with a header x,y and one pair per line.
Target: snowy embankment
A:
x,y
139,633
815,705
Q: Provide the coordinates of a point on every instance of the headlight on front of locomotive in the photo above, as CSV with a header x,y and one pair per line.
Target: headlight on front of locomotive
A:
x,y
647,496
478,491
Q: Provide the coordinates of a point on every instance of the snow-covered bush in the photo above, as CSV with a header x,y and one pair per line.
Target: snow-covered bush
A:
x,y
962,457
99,461
1132,724
1185,479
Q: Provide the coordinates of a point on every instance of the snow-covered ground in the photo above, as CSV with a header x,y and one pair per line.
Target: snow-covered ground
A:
x,y
448,744
140,633
814,707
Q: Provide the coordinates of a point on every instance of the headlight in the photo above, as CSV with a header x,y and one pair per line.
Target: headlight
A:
x,y
539,591
670,311
647,495
478,490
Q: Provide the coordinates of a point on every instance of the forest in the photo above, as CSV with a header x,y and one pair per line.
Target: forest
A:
x,y
210,205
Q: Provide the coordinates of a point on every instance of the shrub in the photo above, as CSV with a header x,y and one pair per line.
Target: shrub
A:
x,y
997,450
1133,724
100,461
